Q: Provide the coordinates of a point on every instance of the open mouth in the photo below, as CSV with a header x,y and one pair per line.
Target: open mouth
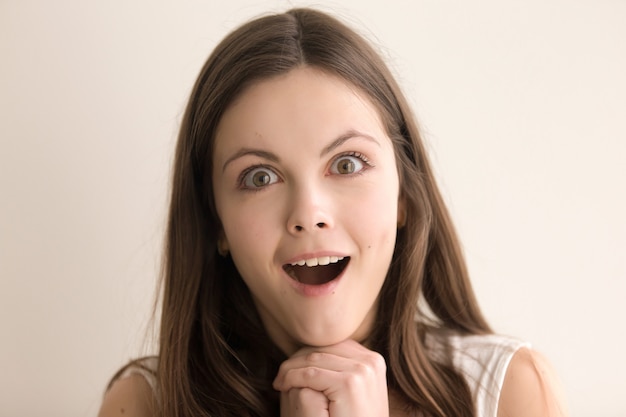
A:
x,y
317,271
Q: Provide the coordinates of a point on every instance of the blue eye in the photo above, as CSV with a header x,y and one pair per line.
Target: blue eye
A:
x,y
258,177
348,164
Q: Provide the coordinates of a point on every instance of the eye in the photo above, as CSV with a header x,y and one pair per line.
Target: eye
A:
x,y
258,177
348,164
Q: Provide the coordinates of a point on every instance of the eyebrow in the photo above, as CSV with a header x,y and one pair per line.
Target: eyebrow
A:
x,y
251,151
350,134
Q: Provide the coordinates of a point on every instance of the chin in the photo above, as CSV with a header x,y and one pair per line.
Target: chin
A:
x,y
322,342
325,335
326,339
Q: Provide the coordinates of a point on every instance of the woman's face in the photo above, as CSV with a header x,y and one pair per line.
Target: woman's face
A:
x,y
306,188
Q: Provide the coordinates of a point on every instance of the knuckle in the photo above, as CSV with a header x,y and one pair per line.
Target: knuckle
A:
x,y
378,362
306,394
307,397
353,382
362,369
310,373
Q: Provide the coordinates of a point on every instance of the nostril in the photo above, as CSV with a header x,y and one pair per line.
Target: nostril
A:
x,y
298,228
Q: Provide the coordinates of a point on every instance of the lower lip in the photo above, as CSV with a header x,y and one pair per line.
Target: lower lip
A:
x,y
316,290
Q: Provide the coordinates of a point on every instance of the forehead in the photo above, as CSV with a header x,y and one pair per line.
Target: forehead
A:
x,y
304,105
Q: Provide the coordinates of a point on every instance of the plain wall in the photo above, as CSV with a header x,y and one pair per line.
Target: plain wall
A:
x,y
523,105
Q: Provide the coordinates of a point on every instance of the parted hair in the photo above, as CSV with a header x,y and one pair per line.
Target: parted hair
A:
x,y
215,358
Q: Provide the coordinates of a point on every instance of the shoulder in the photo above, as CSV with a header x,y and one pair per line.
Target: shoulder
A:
x,y
131,391
130,396
501,373
531,388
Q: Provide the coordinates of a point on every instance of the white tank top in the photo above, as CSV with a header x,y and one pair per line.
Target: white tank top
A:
x,y
482,359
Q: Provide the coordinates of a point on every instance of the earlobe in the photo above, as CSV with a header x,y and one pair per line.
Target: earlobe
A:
x,y
222,245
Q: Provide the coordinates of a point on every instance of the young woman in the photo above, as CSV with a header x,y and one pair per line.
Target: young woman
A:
x,y
311,267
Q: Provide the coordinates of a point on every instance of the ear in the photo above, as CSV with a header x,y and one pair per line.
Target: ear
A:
x,y
401,212
222,244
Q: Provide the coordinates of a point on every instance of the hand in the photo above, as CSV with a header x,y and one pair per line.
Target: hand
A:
x,y
342,380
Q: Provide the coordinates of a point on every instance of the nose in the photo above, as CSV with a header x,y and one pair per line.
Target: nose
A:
x,y
309,211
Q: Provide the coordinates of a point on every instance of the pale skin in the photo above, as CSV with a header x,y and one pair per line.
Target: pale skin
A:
x,y
321,167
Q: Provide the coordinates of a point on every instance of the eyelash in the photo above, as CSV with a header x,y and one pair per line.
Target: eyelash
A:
x,y
358,155
242,177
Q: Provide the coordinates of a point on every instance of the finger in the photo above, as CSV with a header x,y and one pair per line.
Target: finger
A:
x,y
303,402
347,393
347,348
319,359
318,379
365,363
313,361
345,373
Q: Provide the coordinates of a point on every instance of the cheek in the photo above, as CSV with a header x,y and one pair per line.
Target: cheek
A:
x,y
245,224
379,203
373,219
243,232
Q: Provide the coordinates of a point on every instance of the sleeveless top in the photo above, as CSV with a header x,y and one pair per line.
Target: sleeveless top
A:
x,y
481,359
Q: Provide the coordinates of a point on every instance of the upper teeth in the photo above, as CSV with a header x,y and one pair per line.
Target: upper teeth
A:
x,y
322,260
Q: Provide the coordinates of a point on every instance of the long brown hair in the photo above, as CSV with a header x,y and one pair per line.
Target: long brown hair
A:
x,y
215,358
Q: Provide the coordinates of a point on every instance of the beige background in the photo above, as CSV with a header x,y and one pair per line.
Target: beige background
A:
x,y
523,104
